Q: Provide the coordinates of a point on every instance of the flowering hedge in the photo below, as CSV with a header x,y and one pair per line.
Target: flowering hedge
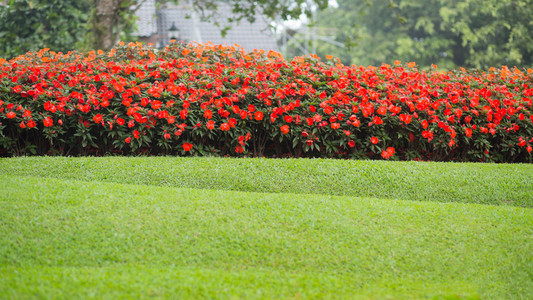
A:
x,y
219,100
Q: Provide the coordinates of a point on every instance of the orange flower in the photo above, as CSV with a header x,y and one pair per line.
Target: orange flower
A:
x,y
284,129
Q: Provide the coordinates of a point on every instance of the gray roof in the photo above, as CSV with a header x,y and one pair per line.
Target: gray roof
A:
x,y
257,35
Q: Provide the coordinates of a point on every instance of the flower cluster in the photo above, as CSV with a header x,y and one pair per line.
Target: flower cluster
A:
x,y
220,100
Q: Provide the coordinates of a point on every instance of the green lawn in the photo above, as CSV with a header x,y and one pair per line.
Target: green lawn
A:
x,y
164,227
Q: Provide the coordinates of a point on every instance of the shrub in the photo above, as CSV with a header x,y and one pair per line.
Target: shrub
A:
x,y
220,100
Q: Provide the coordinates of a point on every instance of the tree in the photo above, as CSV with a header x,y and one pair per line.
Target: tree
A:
x,y
98,24
466,33
108,20
29,25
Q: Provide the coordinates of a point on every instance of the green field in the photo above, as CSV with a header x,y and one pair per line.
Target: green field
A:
x,y
167,227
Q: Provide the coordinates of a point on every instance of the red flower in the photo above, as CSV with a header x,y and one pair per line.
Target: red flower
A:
x,y
120,121
187,147
405,118
309,142
136,134
335,125
468,132
48,122
288,119
374,140
239,149
386,154
521,142
258,116
428,135
208,114
22,125
11,115
224,127
156,104
284,129
425,124
210,125
351,143
31,123
183,114
377,120
98,118
127,140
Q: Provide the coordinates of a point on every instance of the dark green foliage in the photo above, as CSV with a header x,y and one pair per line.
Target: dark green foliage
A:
x,y
32,25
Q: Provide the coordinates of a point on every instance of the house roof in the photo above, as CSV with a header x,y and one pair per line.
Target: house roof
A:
x,y
257,35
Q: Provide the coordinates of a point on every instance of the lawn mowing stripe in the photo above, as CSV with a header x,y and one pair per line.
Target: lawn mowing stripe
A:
x,y
496,184
138,282
70,223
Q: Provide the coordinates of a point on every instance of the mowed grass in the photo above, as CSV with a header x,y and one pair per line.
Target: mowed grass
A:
x,y
497,184
142,228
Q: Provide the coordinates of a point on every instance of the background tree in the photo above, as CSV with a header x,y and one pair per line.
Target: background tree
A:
x,y
28,25
449,33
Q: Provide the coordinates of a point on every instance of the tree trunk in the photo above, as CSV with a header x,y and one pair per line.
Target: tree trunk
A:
x,y
106,19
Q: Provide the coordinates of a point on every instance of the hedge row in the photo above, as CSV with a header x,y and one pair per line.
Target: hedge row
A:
x,y
220,100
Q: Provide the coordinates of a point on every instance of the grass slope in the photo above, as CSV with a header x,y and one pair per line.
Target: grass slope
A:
x,y
91,237
497,184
